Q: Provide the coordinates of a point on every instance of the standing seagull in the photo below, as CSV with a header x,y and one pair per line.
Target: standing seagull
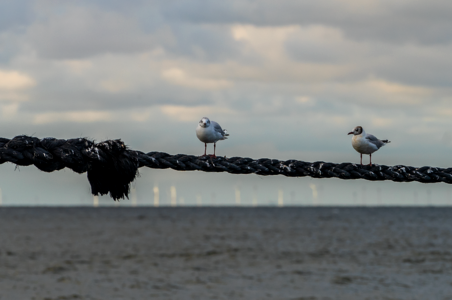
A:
x,y
210,132
365,143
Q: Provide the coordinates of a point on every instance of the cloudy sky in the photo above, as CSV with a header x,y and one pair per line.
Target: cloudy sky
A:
x,y
287,79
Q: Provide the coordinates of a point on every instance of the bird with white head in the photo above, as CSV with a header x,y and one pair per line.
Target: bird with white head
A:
x,y
210,132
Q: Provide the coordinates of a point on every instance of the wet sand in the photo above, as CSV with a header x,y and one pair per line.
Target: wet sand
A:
x,y
225,253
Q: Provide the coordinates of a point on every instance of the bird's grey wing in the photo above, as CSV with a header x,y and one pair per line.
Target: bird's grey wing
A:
x,y
373,139
217,127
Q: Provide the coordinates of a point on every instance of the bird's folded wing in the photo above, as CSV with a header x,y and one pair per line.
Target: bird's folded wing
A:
x,y
371,138
217,127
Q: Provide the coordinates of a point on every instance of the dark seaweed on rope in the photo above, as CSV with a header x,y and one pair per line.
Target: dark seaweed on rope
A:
x,y
112,166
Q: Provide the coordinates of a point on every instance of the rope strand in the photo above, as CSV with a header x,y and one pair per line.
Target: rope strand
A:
x,y
112,166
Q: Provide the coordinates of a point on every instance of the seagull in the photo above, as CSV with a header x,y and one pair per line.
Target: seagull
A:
x,y
366,143
210,132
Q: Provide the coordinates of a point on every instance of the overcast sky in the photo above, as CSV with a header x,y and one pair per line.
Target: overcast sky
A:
x,y
287,79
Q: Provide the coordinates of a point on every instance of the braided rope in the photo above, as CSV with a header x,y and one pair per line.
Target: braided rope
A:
x,y
111,166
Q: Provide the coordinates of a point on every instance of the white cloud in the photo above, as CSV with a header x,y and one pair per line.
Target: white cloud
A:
x,y
305,100
194,114
378,92
78,67
180,77
14,80
73,117
266,42
15,85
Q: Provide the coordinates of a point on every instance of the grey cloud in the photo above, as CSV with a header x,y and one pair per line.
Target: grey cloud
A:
x,y
206,43
81,33
428,66
415,21
60,95
10,46
197,29
418,67
324,52
60,92
15,14
15,17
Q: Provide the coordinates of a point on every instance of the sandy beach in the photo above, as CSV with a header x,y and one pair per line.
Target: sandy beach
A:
x,y
225,253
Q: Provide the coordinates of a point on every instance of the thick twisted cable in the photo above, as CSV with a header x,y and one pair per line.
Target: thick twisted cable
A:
x,y
294,168
111,166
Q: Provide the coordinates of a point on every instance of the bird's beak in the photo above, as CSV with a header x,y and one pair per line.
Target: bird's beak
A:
x,y
351,132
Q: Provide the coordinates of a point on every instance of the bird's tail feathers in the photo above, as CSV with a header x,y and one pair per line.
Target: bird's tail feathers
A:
x,y
386,141
225,132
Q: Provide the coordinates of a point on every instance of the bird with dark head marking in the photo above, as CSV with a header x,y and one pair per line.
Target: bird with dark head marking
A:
x,y
210,132
366,143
